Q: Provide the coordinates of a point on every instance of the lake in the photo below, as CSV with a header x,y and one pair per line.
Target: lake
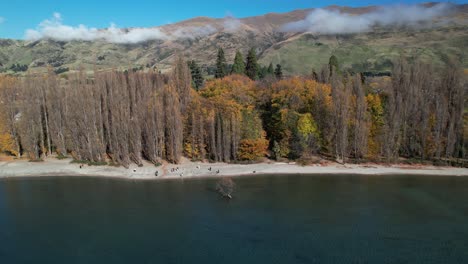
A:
x,y
271,219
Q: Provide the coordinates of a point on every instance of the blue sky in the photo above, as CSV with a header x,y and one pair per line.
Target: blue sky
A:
x,y
16,16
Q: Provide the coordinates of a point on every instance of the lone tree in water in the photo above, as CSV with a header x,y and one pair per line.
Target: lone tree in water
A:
x,y
220,64
239,66
225,187
251,69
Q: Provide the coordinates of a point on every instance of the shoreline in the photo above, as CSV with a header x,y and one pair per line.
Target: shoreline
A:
x,y
193,170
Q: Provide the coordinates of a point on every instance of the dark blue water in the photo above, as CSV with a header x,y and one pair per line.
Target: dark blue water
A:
x,y
274,219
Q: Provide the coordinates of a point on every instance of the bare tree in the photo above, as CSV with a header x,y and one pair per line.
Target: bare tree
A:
x,y
361,119
341,93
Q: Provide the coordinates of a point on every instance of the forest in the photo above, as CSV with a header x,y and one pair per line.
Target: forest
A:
x,y
244,114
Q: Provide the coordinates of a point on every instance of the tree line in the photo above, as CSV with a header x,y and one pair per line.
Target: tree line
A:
x,y
127,117
250,67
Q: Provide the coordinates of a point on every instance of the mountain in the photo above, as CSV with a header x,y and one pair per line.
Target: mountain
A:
x,y
297,51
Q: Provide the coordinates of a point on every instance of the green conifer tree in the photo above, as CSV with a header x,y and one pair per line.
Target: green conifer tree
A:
x,y
197,77
263,72
239,66
251,68
333,64
220,64
270,70
278,72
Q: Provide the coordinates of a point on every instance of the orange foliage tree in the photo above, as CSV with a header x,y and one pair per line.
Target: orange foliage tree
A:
x,y
236,128
7,140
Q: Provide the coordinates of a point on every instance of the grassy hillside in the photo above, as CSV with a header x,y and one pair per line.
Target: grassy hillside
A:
x,y
298,53
371,51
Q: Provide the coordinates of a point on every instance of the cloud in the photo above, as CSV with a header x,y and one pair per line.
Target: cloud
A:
x,y
231,24
56,30
2,19
193,32
323,21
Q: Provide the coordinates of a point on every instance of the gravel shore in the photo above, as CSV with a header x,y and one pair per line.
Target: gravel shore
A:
x,y
54,167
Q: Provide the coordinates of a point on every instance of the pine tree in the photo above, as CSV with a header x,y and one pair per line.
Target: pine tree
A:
x,y
270,70
263,72
197,77
278,72
314,75
220,64
251,69
333,64
239,66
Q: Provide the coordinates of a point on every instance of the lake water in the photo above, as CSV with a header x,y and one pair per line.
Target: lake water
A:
x,y
274,219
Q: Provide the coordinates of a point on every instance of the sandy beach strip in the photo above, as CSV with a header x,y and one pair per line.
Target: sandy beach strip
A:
x,y
54,167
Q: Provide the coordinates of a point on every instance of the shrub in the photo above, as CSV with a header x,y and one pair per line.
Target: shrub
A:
x,y
252,149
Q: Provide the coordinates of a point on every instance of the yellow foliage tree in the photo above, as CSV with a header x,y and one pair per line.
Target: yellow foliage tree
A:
x,y
375,108
306,125
300,109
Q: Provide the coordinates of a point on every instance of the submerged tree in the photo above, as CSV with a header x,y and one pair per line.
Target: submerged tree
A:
x,y
225,187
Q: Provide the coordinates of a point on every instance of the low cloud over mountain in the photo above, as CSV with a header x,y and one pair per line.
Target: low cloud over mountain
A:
x,y
55,29
326,21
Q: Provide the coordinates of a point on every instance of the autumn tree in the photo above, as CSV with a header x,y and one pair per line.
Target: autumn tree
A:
x,y
31,122
375,109
341,94
297,118
127,117
9,108
180,79
360,118
232,118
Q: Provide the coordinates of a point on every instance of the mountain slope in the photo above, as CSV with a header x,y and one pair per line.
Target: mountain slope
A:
x,y
297,52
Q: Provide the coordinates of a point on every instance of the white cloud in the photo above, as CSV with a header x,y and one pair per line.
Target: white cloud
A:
x,y
55,29
324,21
193,32
2,19
231,24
